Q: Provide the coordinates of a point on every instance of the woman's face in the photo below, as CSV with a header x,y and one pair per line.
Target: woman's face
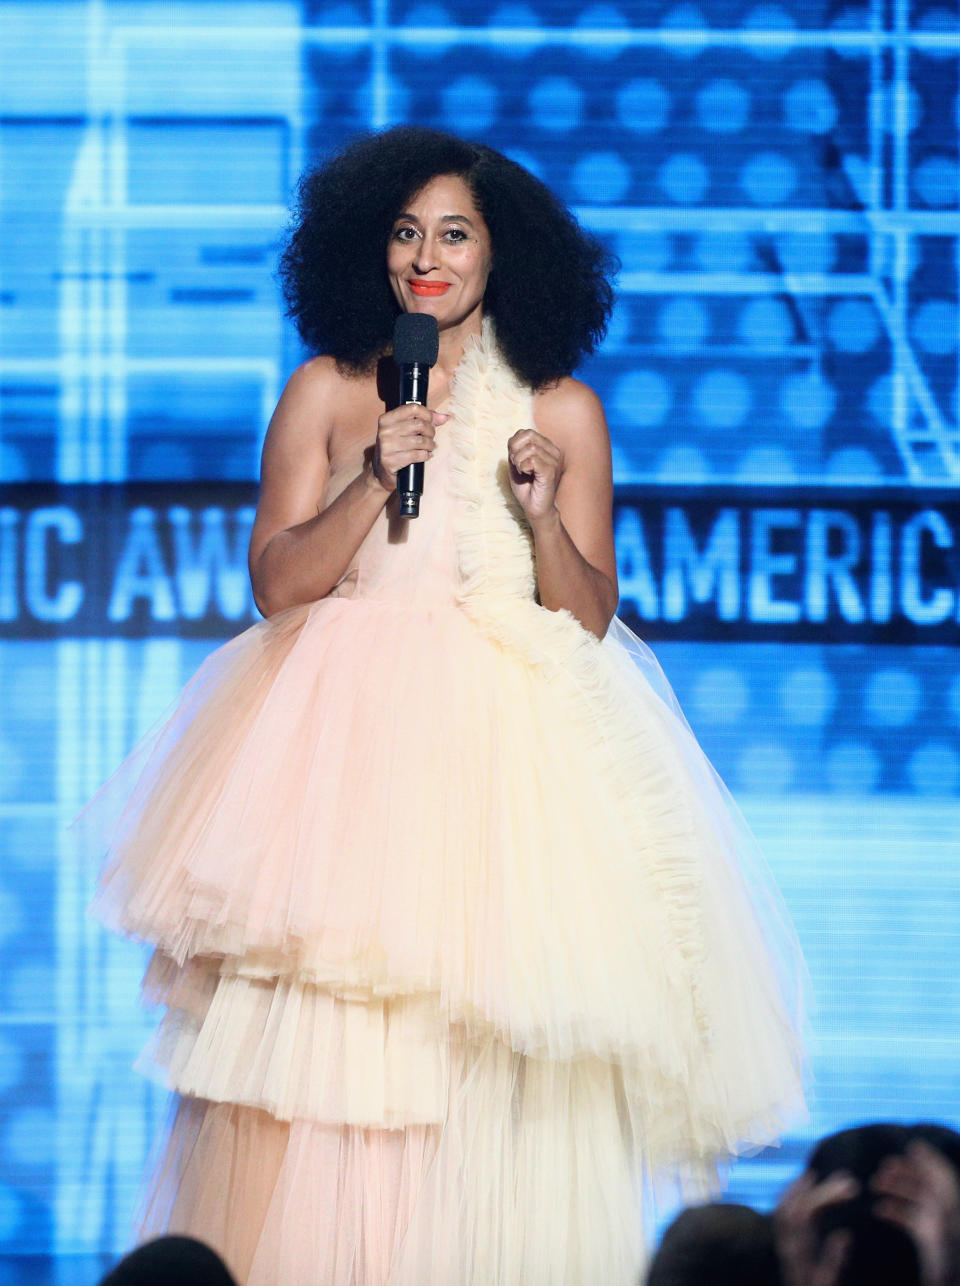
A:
x,y
439,257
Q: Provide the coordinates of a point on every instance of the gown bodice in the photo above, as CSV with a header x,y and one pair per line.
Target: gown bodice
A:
x,y
402,560
471,545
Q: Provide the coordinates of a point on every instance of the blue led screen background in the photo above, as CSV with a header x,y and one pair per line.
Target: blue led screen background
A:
x,y
780,182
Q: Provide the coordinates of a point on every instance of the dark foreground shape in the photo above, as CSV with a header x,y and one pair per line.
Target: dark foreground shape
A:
x,y
170,1261
716,1245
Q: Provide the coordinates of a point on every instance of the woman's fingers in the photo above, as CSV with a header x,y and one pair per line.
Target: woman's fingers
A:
x,y
407,428
411,413
405,435
528,444
529,452
536,466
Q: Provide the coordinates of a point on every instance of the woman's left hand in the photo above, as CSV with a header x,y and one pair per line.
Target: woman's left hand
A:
x,y
536,466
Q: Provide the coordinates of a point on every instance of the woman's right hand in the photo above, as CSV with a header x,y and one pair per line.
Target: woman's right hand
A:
x,y
405,436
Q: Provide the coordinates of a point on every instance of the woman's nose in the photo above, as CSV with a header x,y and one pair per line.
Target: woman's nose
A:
x,y
424,260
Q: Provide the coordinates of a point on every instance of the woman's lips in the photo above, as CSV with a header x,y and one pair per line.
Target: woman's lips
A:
x,y
429,287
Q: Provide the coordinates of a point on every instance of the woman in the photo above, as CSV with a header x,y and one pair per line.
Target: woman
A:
x,y
449,910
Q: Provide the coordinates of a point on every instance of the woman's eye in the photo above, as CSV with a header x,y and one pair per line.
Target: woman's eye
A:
x,y
408,234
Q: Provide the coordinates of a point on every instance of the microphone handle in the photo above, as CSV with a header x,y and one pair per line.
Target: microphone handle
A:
x,y
414,378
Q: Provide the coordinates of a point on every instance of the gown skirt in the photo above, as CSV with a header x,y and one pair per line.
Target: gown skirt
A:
x,y
462,946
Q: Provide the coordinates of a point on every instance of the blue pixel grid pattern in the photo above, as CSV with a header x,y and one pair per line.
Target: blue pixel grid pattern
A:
x,y
780,182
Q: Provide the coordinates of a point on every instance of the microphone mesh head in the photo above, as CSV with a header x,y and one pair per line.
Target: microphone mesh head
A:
x,y
416,338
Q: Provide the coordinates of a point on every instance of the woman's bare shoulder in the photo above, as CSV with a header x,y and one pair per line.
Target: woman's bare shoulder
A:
x,y
569,412
312,402
295,464
320,379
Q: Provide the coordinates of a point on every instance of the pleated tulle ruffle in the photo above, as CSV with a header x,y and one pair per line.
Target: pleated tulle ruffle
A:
x,y
295,1050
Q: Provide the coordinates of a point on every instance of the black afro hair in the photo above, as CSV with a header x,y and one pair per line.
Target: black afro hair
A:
x,y
549,292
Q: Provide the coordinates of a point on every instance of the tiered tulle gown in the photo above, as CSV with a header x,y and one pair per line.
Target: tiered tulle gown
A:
x,y
450,917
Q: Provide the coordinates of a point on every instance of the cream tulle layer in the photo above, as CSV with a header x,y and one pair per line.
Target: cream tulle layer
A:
x,y
441,825
528,1183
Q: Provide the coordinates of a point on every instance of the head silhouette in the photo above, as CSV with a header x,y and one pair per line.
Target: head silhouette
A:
x,y
716,1245
181,1260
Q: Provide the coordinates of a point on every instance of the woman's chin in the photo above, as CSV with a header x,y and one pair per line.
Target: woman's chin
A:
x,y
447,318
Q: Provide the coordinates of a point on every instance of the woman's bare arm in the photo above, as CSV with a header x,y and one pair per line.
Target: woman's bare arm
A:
x,y
576,560
297,552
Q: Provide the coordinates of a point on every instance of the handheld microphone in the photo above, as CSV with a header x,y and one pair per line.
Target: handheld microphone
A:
x,y
416,346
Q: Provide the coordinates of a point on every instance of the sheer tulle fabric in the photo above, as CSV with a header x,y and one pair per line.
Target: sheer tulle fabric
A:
x,y
527,1180
454,922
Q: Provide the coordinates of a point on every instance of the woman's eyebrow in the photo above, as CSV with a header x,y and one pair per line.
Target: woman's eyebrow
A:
x,y
444,218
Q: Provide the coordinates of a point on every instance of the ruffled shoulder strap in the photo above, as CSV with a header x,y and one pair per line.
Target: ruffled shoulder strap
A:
x,y
494,544
495,549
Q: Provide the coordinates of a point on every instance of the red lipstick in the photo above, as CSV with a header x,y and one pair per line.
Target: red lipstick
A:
x,y
429,288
